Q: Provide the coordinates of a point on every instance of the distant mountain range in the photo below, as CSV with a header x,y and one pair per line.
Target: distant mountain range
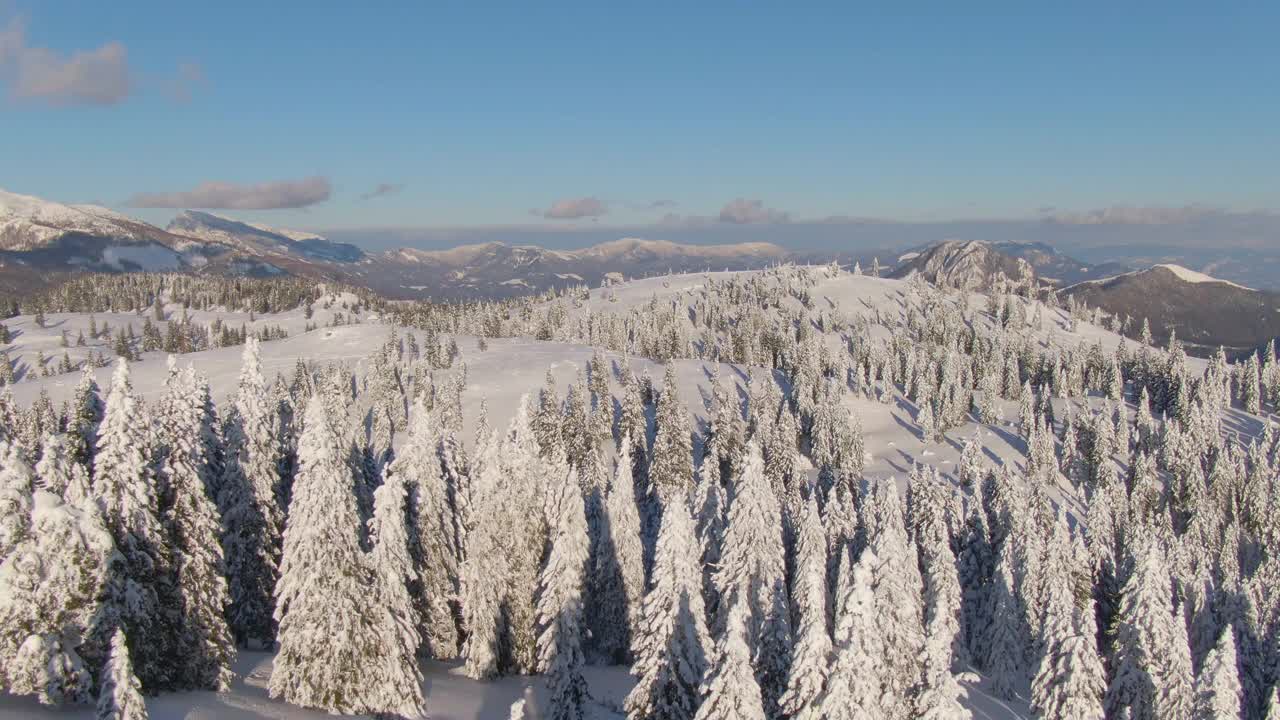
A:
x,y
41,241
500,270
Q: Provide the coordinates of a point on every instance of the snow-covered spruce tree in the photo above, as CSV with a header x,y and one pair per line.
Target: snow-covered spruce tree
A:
x,y
460,475
1143,660
853,688
17,482
330,643
211,438
631,418
939,692
120,695
812,652
1026,410
125,491
82,426
1250,387
730,691
249,500
897,587
709,500
548,419
1176,693
499,578
975,566
1003,642
576,423
601,400
937,569
671,459
51,587
1218,692
164,425
594,479
988,396
1042,461
671,648
752,570
397,683
204,642
485,572
969,470
726,431
56,467
620,569
780,460
431,535
387,410
1070,681
529,478
926,419
560,602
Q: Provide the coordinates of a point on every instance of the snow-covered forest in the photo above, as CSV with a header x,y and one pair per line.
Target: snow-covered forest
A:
x,y
801,493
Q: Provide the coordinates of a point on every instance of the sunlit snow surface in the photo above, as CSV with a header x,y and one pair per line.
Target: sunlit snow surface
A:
x,y
450,696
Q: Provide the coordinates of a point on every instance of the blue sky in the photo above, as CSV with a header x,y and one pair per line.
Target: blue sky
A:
x,y
475,114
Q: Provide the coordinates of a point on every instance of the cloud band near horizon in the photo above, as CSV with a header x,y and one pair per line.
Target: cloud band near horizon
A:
x,y
232,196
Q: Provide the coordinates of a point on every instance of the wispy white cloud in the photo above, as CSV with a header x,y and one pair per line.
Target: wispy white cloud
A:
x,y
233,196
751,212
100,76
574,208
84,77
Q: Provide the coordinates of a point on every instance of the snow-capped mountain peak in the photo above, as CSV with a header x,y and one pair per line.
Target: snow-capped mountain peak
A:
x,y
27,221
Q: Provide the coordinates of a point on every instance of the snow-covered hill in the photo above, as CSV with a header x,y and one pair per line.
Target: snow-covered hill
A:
x,y
1204,311
903,385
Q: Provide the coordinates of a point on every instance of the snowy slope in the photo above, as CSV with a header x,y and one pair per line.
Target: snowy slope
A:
x,y
511,369
1204,311
1182,273
514,367
257,239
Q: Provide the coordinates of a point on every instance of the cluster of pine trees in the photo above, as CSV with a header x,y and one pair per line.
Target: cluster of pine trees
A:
x,y
742,564
127,292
